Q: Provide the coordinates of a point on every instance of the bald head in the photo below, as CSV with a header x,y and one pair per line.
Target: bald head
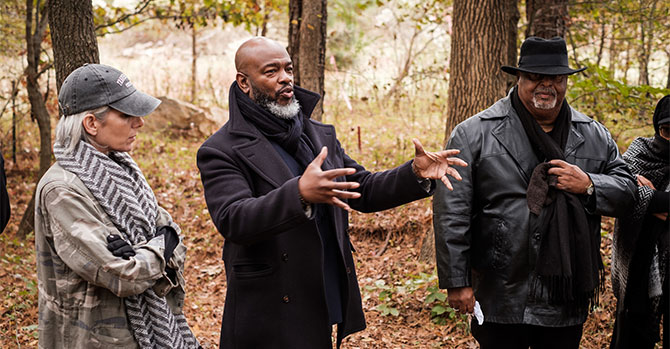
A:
x,y
265,72
253,51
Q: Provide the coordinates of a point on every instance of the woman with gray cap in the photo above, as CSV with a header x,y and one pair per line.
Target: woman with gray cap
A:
x,y
109,259
641,248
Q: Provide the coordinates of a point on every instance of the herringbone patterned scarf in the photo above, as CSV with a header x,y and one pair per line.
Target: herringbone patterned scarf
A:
x,y
124,194
641,159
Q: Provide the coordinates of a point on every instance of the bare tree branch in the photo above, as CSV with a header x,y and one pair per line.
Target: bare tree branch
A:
x,y
15,91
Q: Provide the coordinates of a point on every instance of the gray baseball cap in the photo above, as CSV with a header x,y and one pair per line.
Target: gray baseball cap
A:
x,y
92,86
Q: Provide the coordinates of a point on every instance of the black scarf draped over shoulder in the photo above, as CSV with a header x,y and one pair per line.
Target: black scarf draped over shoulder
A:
x,y
568,264
288,133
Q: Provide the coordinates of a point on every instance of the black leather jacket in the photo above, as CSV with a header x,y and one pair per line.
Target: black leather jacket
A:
x,y
483,232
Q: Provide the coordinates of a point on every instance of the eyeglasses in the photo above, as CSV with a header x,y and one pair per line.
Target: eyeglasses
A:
x,y
664,131
539,77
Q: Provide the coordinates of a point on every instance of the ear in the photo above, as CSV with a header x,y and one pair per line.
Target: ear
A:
x,y
243,82
90,124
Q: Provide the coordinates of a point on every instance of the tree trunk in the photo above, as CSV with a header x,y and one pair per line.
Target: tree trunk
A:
x,y
475,80
546,18
307,46
15,90
512,13
667,83
613,52
601,46
36,17
295,16
312,49
643,56
194,59
72,35
74,43
627,63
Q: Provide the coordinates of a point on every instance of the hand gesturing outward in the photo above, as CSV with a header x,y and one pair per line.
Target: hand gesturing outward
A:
x,y
318,186
436,165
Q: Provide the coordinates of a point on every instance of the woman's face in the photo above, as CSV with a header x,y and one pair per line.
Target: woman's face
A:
x,y
664,131
117,132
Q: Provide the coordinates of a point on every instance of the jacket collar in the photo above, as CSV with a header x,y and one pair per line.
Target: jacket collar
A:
x,y
256,150
511,135
238,124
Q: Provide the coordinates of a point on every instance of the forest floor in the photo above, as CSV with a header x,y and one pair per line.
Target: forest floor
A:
x,y
400,298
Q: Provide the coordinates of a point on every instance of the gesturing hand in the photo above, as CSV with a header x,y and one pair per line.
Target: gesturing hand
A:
x,y
318,186
436,165
570,177
119,247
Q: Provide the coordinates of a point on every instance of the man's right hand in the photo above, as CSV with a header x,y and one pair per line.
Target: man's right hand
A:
x,y
317,186
461,299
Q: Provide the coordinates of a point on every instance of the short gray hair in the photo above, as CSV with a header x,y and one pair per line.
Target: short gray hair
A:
x,y
70,129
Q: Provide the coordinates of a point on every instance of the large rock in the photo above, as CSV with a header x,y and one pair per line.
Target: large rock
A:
x,y
183,118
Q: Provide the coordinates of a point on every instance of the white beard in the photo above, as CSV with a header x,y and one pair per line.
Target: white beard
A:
x,y
284,111
542,104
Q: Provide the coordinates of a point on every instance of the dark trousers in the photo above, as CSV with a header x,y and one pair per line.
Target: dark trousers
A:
x,y
519,336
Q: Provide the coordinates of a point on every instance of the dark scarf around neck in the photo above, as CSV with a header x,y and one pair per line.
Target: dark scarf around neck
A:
x,y
568,264
288,133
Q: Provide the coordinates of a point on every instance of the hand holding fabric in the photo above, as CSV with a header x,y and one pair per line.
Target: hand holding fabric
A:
x,y
119,247
570,177
436,165
318,186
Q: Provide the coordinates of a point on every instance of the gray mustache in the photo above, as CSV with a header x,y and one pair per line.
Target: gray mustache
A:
x,y
545,90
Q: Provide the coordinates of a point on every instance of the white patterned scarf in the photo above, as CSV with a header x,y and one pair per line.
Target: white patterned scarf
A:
x,y
120,188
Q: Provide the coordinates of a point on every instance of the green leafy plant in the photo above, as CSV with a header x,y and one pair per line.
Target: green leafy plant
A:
x,y
388,304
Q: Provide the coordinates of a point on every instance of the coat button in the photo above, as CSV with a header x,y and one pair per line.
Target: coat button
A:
x,y
537,237
284,257
348,270
286,299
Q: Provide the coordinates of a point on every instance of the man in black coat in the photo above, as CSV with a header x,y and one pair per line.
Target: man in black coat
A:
x,y
279,186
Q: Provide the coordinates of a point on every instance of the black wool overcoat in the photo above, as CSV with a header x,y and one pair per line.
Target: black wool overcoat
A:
x,y
272,252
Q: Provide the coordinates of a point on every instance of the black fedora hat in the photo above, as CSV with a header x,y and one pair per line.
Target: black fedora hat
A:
x,y
543,56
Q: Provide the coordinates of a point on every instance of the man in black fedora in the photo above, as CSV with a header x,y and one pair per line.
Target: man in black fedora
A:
x,y
520,234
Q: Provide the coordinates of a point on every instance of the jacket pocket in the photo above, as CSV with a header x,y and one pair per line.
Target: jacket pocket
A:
x,y
491,243
251,270
501,245
105,337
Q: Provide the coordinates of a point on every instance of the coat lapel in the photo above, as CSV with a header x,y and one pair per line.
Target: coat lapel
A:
x,y
321,136
511,135
575,139
261,157
257,151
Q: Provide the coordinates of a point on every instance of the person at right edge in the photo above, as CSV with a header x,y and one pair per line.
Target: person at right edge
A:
x,y
520,234
641,249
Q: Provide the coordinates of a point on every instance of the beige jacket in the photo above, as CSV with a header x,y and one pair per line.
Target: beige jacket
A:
x,y
81,284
